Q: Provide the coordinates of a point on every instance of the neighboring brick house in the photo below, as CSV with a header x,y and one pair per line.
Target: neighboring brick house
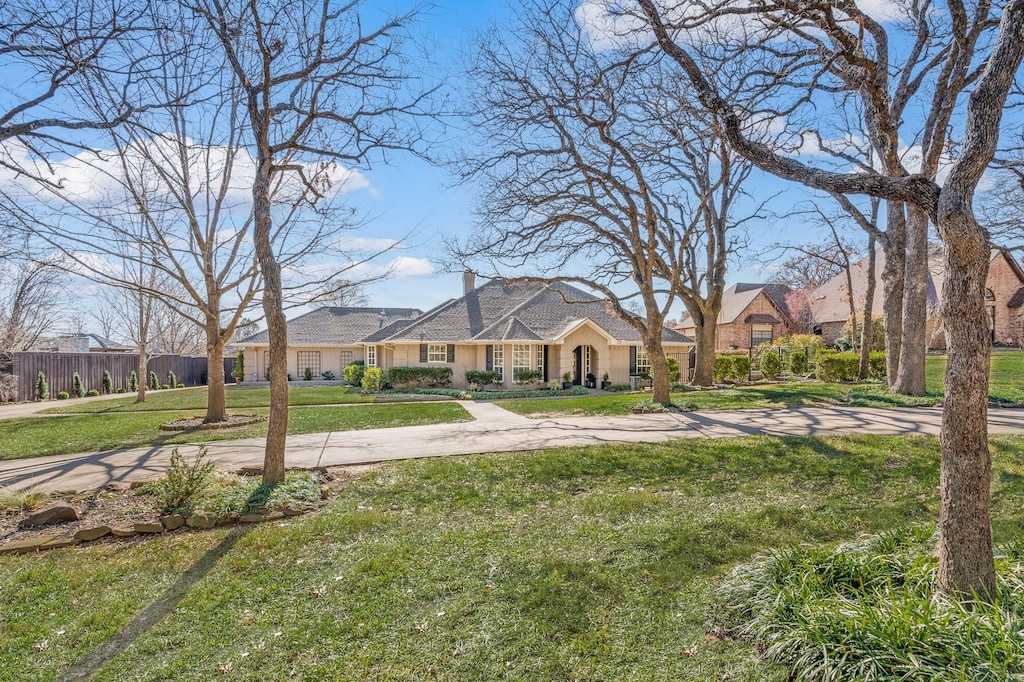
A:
x,y
751,314
1004,293
555,328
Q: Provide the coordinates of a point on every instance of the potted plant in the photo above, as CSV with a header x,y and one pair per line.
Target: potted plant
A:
x,y
605,383
567,381
238,371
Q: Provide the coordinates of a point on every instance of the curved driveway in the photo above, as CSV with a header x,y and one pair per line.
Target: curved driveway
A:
x,y
494,429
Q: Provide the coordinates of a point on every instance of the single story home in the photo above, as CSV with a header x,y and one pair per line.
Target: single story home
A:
x,y
751,314
501,327
325,339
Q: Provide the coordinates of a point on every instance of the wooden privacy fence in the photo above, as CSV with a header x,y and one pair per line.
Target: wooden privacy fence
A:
x,y
60,369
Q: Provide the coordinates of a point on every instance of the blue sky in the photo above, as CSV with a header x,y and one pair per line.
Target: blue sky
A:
x,y
411,196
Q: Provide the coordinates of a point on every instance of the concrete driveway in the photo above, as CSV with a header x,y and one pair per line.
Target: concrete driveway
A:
x,y
493,430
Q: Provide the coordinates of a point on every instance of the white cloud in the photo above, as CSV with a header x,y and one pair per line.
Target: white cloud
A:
x,y
365,245
404,267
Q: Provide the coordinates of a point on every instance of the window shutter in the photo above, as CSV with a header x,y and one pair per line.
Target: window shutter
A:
x,y
423,352
632,359
451,352
547,355
489,353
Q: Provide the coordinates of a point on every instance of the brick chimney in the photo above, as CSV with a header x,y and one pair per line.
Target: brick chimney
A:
x,y
468,282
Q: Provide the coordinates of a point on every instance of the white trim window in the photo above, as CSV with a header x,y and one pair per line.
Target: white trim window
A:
x,y
643,362
437,352
540,357
371,356
498,362
520,358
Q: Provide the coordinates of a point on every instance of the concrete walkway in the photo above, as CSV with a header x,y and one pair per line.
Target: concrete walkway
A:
x,y
494,429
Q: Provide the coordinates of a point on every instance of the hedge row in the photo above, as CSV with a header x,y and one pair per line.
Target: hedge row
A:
x,y
419,377
493,395
731,367
832,366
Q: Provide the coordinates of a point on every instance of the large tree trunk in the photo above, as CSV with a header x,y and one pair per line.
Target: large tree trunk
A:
x,y
705,334
913,337
965,545
892,286
660,386
216,409
277,328
867,329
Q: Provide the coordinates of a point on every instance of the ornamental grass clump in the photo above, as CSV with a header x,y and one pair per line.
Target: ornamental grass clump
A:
x,y
870,610
183,483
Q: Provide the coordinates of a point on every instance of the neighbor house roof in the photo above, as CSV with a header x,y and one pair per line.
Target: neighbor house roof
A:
x,y
339,326
831,301
738,297
500,311
81,343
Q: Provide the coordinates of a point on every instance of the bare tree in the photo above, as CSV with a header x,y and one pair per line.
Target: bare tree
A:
x,y
31,303
318,90
965,547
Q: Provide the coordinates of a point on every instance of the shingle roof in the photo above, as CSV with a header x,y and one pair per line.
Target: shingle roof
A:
x,y
736,298
338,326
499,311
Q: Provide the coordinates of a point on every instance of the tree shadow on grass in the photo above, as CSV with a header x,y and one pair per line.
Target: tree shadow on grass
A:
x,y
93,662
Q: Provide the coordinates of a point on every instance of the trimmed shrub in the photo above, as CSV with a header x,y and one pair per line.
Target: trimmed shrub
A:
x,y
154,382
373,377
92,393
77,387
771,364
731,368
133,382
414,377
121,389
527,376
673,369
108,382
307,374
42,389
63,395
172,380
798,362
165,386
832,366
479,378
328,375
354,373
472,395
238,371
876,364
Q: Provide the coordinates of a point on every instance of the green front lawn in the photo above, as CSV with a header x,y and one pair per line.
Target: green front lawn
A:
x,y
1006,386
567,564
60,435
195,399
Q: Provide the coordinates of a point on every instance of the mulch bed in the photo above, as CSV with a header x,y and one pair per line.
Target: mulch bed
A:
x,y
197,424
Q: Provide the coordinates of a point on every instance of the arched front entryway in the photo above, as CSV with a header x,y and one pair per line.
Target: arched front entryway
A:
x,y
586,366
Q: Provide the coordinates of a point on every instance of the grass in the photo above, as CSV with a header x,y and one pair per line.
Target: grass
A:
x,y
195,399
66,434
1006,386
567,564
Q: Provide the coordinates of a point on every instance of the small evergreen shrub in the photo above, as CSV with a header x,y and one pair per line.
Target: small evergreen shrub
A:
x,y
42,389
238,371
731,367
419,377
307,374
876,364
133,382
771,364
92,393
121,389
798,362
172,380
77,387
478,378
354,373
183,483
832,366
108,382
63,395
328,375
373,377
673,369
154,382
527,376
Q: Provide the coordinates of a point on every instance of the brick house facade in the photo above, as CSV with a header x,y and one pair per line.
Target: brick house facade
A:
x,y
751,314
